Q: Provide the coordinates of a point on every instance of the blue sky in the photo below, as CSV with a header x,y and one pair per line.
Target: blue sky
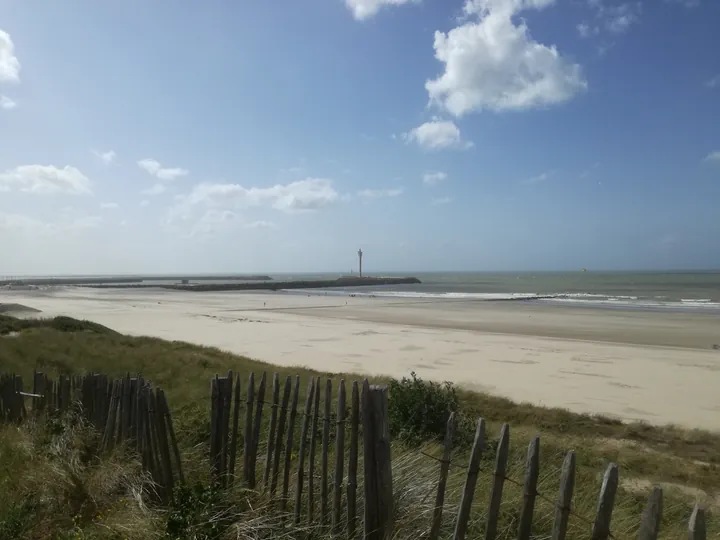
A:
x,y
281,136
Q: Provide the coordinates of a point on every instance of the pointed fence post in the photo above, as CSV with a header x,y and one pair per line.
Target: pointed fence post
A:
x,y
651,516
606,502
444,468
498,483
470,482
564,502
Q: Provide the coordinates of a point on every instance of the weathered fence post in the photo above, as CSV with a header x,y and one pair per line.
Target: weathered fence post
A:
x,y
470,481
353,463
289,444
278,438
606,501
248,431
498,483
444,468
651,516
271,432
257,426
303,447
313,449
379,511
532,471
235,431
564,502
339,458
324,457
696,526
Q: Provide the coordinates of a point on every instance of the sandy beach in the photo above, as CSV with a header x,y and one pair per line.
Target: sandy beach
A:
x,y
635,365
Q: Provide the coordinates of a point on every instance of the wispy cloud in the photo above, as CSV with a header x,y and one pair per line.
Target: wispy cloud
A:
x,y
713,82
434,178
109,205
106,157
154,168
713,156
379,193
539,178
6,103
441,200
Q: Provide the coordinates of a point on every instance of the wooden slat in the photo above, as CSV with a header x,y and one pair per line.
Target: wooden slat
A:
x,y
271,431
606,502
279,436
564,502
353,462
379,503
307,411
235,434
339,458
324,508
651,516
532,471
468,493
444,468
289,444
696,526
257,426
248,431
498,483
313,450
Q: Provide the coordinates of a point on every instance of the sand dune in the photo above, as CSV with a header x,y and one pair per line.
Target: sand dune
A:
x,y
656,367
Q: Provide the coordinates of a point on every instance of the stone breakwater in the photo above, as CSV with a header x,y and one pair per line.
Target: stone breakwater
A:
x,y
271,285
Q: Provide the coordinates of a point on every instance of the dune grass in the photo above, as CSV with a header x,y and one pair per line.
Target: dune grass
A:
x,y
52,484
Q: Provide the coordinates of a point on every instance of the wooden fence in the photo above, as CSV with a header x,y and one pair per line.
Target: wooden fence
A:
x,y
124,411
130,411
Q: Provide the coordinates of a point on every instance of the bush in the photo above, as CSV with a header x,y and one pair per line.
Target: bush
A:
x,y
196,513
419,410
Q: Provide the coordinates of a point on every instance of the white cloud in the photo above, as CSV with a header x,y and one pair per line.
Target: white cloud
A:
x,y
109,205
379,193
364,9
261,225
586,30
304,195
434,178
28,224
9,64
154,168
441,200
106,157
713,156
45,180
539,178
621,17
144,202
156,189
615,18
6,103
437,134
493,63
713,82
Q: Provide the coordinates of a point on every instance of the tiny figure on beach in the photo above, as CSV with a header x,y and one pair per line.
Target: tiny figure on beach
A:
x,y
263,304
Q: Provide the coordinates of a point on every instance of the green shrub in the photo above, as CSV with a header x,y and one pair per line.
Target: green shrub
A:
x,y
197,513
419,410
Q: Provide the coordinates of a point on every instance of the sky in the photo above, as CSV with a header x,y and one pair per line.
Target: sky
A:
x,y
436,135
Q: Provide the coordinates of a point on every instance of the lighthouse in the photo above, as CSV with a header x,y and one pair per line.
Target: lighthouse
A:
x,y
360,260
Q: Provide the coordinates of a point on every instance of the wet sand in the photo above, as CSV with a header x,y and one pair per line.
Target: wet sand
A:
x,y
652,366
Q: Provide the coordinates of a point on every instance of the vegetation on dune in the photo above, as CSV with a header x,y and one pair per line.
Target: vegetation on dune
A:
x,y
53,484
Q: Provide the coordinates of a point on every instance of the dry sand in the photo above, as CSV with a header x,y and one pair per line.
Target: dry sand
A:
x,y
655,367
